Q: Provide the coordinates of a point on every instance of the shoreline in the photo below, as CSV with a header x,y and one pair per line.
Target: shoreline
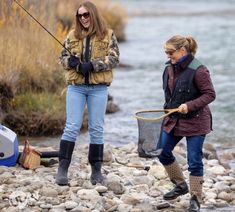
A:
x,y
225,151
126,189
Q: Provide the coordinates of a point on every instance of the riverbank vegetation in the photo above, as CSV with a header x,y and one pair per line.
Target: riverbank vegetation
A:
x,y
31,78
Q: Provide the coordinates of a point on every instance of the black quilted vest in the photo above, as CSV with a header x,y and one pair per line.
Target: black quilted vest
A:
x,y
184,90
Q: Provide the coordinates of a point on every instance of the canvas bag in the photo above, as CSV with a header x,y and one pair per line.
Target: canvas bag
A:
x,y
30,158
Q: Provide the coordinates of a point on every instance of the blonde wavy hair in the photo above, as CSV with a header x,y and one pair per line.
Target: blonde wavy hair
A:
x,y
98,25
178,41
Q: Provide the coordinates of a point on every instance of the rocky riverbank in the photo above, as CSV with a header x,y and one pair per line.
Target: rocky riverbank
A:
x,y
129,186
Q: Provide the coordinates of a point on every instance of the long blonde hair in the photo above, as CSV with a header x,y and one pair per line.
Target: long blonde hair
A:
x,y
178,41
98,25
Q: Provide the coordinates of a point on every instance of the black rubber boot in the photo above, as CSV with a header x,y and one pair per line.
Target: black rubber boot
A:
x,y
95,158
194,204
65,155
178,190
96,176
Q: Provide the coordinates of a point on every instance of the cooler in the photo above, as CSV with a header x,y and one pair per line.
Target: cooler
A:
x,y
9,149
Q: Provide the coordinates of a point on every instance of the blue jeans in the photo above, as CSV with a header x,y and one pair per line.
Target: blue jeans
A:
x,y
78,96
194,151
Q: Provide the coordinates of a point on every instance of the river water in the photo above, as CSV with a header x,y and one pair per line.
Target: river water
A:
x,y
150,24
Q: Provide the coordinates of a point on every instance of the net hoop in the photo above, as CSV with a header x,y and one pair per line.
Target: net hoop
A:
x,y
166,111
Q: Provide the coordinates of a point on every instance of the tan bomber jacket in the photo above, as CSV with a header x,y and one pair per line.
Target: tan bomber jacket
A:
x,y
104,55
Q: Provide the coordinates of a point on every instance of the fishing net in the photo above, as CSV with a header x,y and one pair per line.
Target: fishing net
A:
x,y
149,128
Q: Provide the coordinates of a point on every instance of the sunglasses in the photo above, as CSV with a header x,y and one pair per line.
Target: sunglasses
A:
x,y
170,52
84,15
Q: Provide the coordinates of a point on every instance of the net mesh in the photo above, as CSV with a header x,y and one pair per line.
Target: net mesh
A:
x,y
149,128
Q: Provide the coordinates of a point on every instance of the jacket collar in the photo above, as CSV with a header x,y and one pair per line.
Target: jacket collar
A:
x,y
183,64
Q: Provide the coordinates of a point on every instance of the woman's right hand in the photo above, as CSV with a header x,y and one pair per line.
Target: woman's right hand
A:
x,y
73,61
183,108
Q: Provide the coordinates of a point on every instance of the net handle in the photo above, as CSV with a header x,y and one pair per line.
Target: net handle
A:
x,y
167,113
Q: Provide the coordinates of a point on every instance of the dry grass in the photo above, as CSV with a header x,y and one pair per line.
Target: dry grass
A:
x,y
37,114
29,56
115,16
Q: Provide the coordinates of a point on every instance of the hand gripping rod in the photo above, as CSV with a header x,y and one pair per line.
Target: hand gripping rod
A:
x,y
42,26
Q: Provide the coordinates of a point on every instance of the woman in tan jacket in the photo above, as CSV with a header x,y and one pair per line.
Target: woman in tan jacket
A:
x,y
94,53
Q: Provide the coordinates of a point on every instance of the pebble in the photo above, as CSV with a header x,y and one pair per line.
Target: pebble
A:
x,y
127,188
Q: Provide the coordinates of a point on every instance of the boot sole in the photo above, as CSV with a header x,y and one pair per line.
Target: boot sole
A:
x,y
177,195
193,210
95,181
62,182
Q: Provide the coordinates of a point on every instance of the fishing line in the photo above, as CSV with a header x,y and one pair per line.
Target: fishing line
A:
x,y
41,25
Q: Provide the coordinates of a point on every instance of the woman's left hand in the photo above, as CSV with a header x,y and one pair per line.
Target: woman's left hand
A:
x,y
86,67
183,108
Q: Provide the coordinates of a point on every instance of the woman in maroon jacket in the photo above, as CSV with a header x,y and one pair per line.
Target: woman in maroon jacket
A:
x,y
188,86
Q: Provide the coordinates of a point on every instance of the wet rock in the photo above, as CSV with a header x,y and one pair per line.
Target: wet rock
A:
x,y
114,184
46,206
163,205
124,207
217,170
101,189
111,106
226,196
232,187
88,194
134,198
138,180
209,147
69,205
49,192
221,186
4,169
110,205
108,155
210,195
158,172
140,188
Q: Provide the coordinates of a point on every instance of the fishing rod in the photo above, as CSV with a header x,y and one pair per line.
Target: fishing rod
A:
x,y
41,25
